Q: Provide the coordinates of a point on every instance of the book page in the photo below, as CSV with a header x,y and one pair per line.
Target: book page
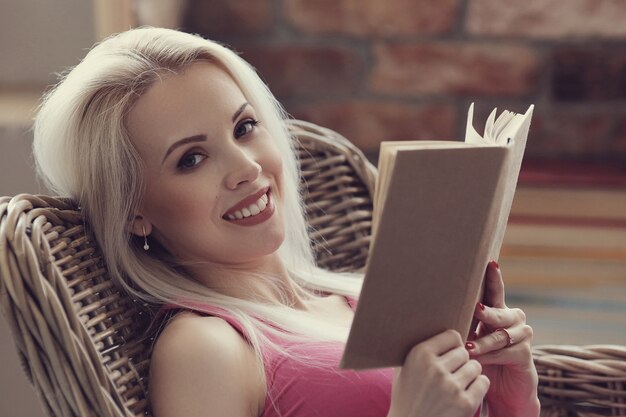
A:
x,y
508,129
471,135
515,135
497,130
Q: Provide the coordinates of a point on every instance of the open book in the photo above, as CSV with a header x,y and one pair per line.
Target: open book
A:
x,y
440,213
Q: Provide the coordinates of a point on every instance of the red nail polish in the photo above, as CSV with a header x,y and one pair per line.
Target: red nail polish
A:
x,y
481,306
494,264
469,346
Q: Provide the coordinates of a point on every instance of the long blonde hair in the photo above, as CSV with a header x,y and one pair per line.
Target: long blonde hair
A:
x,y
83,150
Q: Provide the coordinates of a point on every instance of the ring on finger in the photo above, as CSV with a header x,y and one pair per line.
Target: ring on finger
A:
x,y
509,339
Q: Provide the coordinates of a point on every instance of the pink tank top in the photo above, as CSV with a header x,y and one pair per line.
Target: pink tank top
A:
x,y
295,389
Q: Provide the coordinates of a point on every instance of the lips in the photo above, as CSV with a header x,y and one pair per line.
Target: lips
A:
x,y
249,206
264,209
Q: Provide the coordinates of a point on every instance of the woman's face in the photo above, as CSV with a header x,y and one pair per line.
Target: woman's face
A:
x,y
213,173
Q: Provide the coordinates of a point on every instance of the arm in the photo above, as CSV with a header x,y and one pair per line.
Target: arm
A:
x,y
201,367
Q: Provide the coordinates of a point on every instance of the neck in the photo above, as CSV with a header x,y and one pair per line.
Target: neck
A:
x,y
264,281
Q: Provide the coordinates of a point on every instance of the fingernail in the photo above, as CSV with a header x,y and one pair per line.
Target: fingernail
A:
x,y
481,306
469,346
494,264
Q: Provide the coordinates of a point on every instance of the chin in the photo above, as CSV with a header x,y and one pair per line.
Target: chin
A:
x,y
276,243
267,247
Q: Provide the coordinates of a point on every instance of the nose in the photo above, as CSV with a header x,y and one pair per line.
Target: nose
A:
x,y
241,167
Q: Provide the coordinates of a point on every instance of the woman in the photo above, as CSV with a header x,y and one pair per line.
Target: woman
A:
x,y
180,158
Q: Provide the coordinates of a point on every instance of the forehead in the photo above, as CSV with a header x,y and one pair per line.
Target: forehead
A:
x,y
183,104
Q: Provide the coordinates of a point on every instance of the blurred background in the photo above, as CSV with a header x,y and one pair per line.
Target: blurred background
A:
x,y
399,70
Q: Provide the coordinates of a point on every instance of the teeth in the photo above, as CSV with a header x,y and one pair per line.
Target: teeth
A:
x,y
252,210
262,204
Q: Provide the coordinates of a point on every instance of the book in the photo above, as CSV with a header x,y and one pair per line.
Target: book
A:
x,y
440,214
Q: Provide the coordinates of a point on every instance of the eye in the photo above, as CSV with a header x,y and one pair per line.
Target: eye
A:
x,y
190,160
245,127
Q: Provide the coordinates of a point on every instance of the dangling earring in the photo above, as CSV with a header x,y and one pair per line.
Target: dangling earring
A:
x,y
145,238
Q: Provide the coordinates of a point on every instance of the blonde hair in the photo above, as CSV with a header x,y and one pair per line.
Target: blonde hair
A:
x,y
83,150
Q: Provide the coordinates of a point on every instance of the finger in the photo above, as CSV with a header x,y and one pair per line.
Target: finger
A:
x,y
467,373
499,340
482,330
455,358
520,354
438,344
494,286
478,389
445,341
495,318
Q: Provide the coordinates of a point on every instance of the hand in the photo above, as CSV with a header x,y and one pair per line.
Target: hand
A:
x,y
502,344
438,379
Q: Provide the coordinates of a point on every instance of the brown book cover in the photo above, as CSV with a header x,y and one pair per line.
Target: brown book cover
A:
x,y
440,212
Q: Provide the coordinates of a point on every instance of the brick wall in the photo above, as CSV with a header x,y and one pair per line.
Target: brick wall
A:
x,y
407,69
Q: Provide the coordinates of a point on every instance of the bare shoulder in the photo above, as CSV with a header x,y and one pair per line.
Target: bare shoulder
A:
x,y
201,366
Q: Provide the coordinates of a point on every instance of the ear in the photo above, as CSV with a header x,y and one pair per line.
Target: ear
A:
x,y
141,226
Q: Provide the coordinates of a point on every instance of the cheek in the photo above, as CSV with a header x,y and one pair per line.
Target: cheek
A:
x,y
274,163
169,205
277,165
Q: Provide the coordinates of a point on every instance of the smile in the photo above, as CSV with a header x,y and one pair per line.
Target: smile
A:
x,y
252,210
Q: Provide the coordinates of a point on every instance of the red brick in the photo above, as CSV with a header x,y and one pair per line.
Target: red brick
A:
x,y
589,73
293,71
570,133
364,18
454,68
226,18
550,19
367,123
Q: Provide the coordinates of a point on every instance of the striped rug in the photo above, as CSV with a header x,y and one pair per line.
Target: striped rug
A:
x,y
579,316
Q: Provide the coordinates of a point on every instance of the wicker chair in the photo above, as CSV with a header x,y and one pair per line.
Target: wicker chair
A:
x,y
83,343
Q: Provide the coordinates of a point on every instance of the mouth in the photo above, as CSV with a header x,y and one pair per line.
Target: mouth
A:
x,y
250,207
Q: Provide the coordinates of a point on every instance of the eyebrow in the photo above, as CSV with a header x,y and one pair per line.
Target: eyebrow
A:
x,y
177,144
199,138
239,111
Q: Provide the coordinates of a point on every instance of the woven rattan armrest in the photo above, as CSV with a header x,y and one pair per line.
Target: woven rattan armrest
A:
x,y
582,380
